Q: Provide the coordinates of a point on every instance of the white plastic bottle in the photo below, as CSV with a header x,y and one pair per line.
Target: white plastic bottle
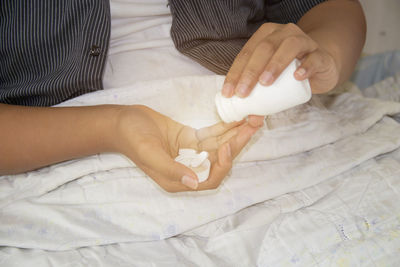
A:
x,y
284,93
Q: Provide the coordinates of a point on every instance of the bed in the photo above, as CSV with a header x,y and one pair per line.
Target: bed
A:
x,y
319,185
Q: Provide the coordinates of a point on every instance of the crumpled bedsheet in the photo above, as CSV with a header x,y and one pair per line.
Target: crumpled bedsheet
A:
x,y
318,185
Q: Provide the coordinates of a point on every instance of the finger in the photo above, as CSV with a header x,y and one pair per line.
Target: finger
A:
x,y
154,157
243,57
256,121
308,66
170,185
311,64
289,49
219,169
321,71
226,153
222,163
214,142
238,142
254,67
263,54
216,130
213,155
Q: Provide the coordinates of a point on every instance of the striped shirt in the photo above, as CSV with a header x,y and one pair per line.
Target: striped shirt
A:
x,y
54,50
51,50
212,32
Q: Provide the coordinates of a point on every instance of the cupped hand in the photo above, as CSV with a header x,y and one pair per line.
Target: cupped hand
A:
x,y
269,51
152,141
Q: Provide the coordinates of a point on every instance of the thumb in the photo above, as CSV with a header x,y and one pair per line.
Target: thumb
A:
x,y
160,162
321,70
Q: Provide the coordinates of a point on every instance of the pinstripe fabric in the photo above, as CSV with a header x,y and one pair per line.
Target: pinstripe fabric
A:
x,y
45,49
213,32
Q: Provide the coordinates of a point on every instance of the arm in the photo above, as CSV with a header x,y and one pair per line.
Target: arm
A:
x,y
33,137
328,39
339,27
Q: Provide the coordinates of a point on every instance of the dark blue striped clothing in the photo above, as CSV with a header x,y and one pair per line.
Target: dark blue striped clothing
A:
x,y
52,50
213,32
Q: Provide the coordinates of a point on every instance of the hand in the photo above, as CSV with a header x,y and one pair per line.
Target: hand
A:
x,y
152,141
269,51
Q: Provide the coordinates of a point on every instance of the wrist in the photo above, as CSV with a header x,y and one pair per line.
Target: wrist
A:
x,y
124,127
106,126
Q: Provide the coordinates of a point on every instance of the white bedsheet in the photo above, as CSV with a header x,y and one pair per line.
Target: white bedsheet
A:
x,y
323,189
319,186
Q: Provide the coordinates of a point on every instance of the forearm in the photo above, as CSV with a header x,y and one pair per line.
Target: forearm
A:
x,y
339,27
33,137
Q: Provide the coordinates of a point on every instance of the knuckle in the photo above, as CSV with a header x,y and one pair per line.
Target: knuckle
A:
x,y
174,190
265,26
292,40
266,46
268,26
313,62
225,126
329,60
169,190
219,127
249,74
243,54
292,27
231,77
309,44
276,65
220,140
234,73
317,57
313,44
229,165
214,185
167,187
169,172
200,146
297,43
198,134
173,171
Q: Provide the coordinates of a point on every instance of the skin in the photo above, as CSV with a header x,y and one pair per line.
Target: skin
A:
x,y
33,137
327,40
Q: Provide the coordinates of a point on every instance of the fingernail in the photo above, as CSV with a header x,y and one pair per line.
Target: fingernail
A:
x,y
301,72
241,89
227,89
266,78
190,182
